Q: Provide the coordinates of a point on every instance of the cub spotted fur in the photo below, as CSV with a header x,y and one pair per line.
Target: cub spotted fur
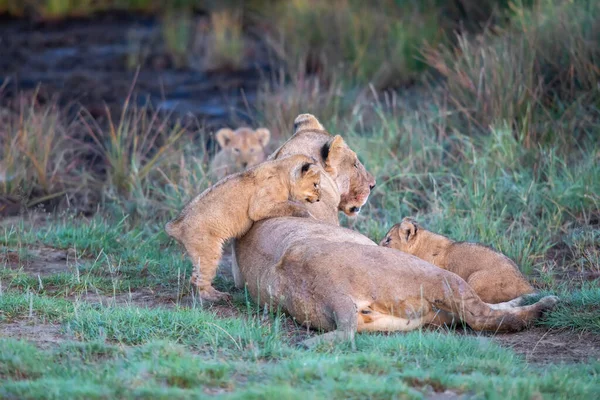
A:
x,y
493,276
240,149
229,208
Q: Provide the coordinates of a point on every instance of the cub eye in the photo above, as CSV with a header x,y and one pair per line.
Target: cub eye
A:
x,y
356,164
236,150
316,185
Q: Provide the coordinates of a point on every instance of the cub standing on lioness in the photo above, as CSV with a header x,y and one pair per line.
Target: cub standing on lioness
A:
x,y
229,208
240,149
493,276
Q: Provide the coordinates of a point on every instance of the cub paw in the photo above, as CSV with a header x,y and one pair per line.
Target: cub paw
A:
x,y
213,295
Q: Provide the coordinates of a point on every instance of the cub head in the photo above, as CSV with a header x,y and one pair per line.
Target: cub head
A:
x,y
245,147
353,180
306,181
402,236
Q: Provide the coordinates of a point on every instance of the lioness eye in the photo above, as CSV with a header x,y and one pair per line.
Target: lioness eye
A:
x,y
355,165
236,150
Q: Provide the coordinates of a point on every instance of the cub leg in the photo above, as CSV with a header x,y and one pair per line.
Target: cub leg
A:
x,y
345,314
288,208
205,252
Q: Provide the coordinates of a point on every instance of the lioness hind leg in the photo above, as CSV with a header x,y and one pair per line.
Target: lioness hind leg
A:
x,y
462,300
205,253
346,323
441,319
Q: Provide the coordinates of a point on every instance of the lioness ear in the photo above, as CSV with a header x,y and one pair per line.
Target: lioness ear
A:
x,y
307,121
313,171
224,137
263,135
407,229
332,154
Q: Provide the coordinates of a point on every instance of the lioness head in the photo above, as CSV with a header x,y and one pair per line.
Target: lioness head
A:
x,y
307,122
244,146
353,180
306,181
353,183
402,236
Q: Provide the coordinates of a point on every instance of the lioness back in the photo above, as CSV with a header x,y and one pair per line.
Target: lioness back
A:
x,y
493,276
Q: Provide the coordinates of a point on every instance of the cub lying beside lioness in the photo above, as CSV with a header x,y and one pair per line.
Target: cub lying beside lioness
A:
x,y
230,207
335,279
493,276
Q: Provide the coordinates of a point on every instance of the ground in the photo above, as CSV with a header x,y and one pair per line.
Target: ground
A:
x,y
480,119
75,304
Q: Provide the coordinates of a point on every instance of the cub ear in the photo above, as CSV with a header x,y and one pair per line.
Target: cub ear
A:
x,y
332,153
408,229
263,135
307,121
224,137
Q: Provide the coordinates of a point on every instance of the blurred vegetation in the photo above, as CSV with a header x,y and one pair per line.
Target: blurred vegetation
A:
x,y
376,42
532,77
481,119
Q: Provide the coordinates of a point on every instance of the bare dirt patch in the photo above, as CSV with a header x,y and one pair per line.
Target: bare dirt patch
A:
x,y
39,261
543,346
42,334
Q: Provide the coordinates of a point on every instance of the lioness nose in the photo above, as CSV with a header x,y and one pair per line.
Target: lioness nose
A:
x,y
372,185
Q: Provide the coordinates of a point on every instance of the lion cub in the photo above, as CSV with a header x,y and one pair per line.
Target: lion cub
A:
x,y
240,149
228,209
493,276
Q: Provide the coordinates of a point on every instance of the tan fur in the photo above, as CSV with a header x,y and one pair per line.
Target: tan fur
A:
x,y
493,276
352,181
229,208
240,149
338,280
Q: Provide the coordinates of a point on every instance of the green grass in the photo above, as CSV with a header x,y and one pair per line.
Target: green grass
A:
x,y
382,367
490,155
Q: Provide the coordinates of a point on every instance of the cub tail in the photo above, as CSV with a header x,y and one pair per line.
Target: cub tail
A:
x,y
173,228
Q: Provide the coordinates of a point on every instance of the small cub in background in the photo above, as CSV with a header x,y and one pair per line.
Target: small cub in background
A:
x,y
229,208
493,276
240,149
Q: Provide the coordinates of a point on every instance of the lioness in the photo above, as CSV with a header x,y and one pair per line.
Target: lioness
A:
x,y
334,279
228,209
240,149
493,276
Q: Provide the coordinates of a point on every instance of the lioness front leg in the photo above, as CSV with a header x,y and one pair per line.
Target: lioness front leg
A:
x,y
205,253
288,208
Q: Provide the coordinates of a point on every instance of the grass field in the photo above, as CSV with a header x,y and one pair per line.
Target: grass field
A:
x,y
502,148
